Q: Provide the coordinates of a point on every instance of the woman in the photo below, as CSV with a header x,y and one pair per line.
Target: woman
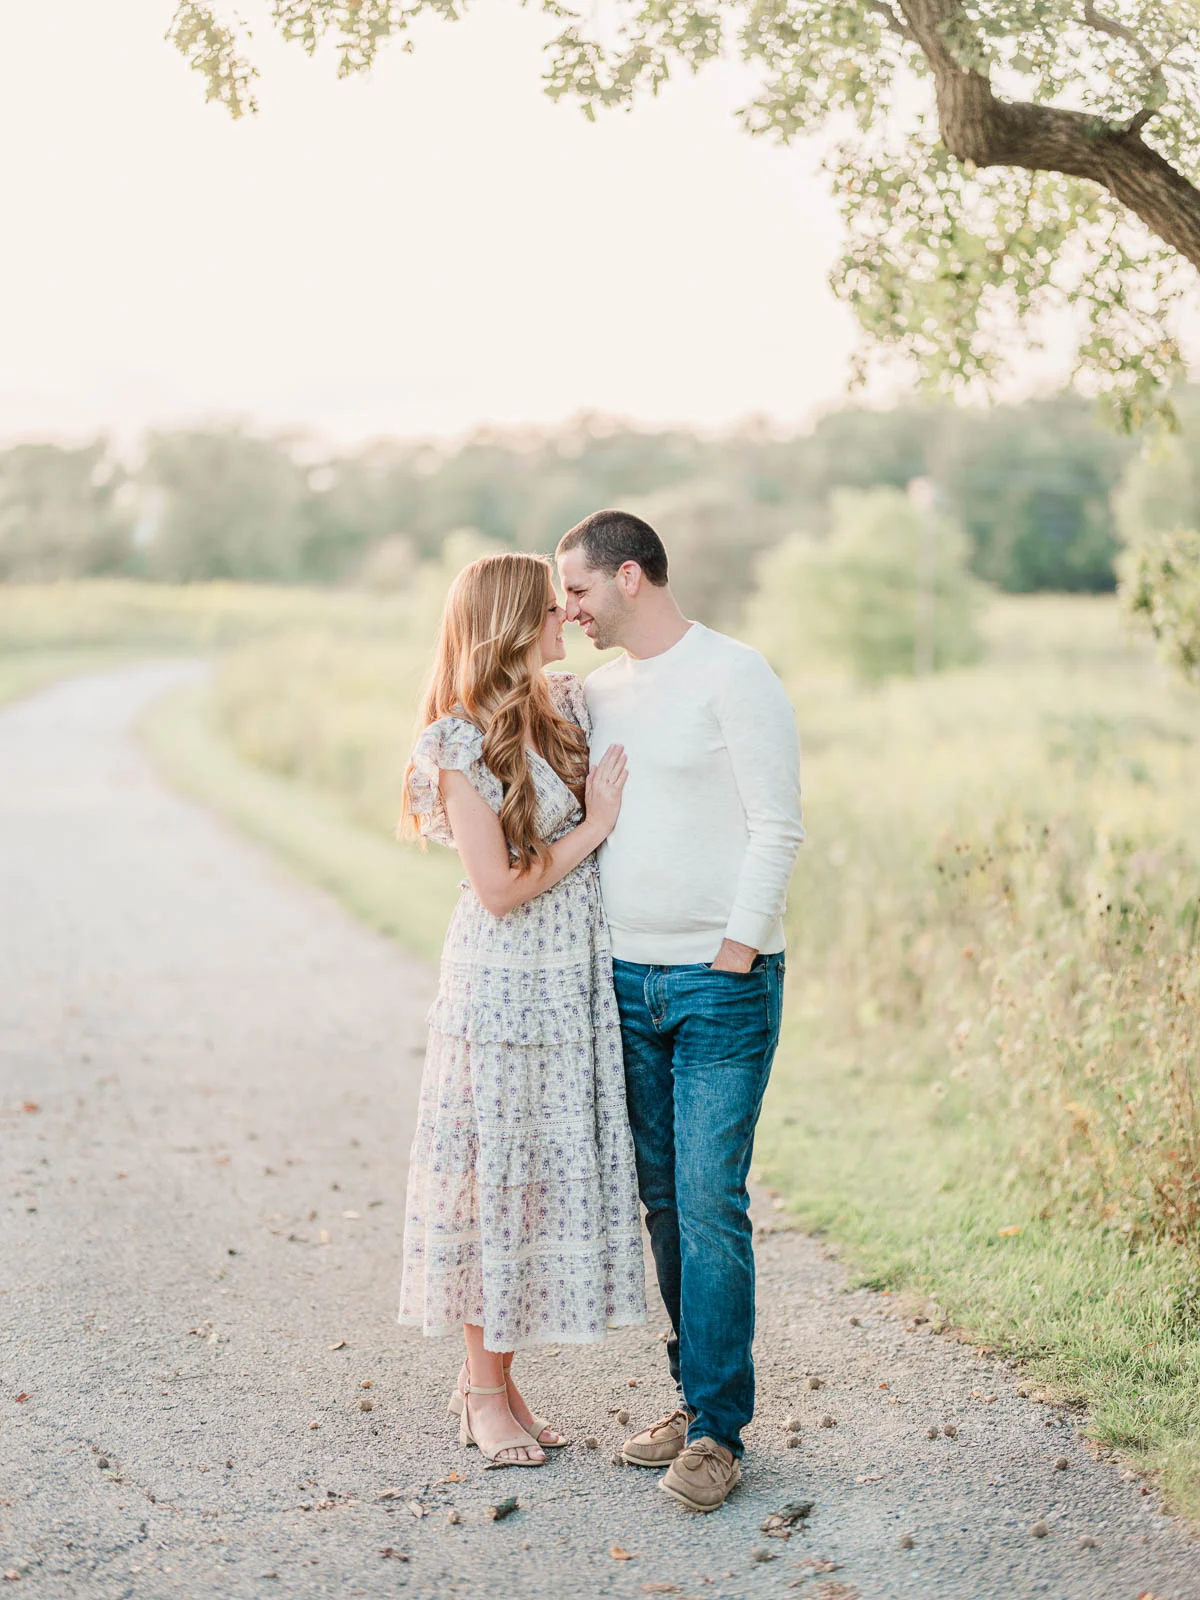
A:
x,y
522,1222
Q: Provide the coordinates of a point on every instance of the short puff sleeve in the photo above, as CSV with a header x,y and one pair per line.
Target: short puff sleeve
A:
x,y
448,745
566,691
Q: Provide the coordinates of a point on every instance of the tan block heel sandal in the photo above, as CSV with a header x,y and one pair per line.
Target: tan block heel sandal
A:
x,y
455,1409
519,1441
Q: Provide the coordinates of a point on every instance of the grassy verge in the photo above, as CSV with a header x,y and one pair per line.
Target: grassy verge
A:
x,y
401,891
921,1204
26,671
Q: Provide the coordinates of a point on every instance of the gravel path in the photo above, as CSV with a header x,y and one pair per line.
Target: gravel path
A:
x,y
207,1081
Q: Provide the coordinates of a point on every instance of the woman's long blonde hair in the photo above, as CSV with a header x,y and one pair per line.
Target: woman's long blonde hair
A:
x,y
487,669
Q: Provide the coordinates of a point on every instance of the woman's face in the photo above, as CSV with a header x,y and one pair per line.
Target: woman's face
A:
x,y
553,648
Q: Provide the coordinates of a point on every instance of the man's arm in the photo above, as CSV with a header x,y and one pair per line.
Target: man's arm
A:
x,y
759,729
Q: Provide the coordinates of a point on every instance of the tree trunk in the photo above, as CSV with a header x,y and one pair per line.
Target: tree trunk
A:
x,y
977,126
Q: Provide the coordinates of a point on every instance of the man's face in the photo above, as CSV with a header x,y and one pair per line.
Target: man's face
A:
x,y
593,600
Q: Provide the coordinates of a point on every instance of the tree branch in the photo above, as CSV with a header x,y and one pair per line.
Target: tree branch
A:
x,y
1117,30
977,126
895,23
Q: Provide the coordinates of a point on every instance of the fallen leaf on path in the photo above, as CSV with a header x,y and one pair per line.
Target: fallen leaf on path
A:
x,y
621,1555
22,1396
417,1509
660,1588
340,1345
31,1106
787,1516
392,1554
390,1494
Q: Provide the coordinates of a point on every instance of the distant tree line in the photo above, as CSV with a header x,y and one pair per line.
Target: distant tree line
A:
x,y
1041,492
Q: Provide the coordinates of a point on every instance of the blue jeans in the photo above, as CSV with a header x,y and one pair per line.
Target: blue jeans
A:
x,y
698,1051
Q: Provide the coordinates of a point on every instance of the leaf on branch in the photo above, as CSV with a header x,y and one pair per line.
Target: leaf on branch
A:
x,y
211,48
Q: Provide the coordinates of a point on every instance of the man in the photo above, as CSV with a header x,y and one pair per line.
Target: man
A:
x,y
694,877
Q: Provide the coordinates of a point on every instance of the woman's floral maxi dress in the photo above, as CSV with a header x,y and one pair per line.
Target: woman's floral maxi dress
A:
x,y
522,1211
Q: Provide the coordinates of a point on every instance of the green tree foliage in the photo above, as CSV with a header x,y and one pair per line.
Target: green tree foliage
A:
x,y
223,504
888,585
61,512
1160,491
996,159
1160,588
1032,486
1158,514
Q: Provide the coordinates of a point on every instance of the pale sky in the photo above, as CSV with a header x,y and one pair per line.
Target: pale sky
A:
x,y
432,248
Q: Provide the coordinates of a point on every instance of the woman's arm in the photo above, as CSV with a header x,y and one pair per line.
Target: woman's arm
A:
x,y
501,887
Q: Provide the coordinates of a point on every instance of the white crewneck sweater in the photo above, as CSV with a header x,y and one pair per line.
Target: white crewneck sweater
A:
x,y
710,820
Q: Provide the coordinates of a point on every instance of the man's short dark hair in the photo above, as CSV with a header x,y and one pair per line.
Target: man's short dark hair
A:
x,y
609,539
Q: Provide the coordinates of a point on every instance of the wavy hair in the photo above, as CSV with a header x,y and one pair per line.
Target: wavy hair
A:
x,y
486,668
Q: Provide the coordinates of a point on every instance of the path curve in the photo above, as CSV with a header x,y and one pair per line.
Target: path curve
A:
x,y
202,1233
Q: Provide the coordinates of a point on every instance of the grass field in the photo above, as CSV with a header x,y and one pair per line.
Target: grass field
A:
x,y
987,1087
403,892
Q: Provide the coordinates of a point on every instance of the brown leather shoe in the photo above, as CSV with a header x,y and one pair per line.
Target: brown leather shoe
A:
x,y
701,1475
659,1443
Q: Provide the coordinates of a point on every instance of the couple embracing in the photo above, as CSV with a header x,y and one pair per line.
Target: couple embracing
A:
x,y
610,993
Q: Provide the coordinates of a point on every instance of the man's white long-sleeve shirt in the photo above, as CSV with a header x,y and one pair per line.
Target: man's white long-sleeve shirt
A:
x,y
710,822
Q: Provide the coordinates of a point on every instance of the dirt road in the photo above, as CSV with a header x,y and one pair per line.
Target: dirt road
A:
x,y
207,1081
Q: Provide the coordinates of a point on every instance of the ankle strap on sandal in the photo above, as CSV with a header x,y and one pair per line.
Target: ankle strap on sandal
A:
x,y
475,1388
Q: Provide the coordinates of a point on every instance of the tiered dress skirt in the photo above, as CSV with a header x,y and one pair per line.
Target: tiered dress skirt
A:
x,y
522,1211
